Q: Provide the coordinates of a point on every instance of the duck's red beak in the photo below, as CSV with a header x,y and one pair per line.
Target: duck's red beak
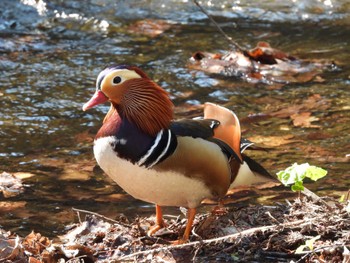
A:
x,y
96,99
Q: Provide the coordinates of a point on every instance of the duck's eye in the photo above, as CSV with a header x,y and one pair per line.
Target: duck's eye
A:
x,y
117,80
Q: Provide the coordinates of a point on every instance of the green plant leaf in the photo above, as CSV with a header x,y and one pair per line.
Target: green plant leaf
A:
x,y
297,186
315,173
294,175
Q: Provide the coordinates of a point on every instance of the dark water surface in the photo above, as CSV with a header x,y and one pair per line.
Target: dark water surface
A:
x,y
52,51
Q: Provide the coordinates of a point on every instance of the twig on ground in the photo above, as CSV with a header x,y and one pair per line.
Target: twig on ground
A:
x,y
269,241
171,216
195,253
229,39
314,251
98,215
274,219
276,255
315,197
298,223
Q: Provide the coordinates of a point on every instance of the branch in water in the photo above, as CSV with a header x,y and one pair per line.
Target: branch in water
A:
x,y
229,39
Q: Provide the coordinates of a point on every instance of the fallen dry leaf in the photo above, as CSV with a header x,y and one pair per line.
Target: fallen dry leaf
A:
x,y
23,175
79,170
10,185
11,249
272,141
74,174
318,136
304,119
12,206
313,103
35,243
75,251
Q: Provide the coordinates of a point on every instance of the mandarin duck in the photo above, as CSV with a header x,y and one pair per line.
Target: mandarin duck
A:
x,y
164,161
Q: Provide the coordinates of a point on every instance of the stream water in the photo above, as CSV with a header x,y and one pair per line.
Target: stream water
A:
x,y
52,51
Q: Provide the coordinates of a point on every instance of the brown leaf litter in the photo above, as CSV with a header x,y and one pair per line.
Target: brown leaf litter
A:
x,y
249,234
10,185
301,111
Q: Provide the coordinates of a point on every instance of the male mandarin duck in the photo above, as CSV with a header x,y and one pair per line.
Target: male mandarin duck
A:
x,y
164,161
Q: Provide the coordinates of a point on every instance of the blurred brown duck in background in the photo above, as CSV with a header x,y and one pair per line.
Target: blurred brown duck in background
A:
x,y
164,161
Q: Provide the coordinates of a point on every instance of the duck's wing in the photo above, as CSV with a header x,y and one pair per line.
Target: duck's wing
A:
x,y
204,129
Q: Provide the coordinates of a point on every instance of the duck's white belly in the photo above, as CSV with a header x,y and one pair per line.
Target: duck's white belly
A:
x,y
162,188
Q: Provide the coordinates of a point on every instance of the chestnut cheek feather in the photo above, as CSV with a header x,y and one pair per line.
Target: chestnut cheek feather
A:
x,y
96,99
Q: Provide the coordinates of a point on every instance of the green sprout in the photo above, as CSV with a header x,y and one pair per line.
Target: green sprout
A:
x,y
295,174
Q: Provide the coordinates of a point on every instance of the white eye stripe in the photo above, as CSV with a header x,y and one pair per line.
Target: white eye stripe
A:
x,y
123,74
110,74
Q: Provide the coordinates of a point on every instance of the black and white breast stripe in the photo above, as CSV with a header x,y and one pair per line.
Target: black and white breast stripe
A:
x,y
245,143
163,146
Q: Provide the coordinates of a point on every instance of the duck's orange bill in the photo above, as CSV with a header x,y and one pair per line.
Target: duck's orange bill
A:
x,y
96,99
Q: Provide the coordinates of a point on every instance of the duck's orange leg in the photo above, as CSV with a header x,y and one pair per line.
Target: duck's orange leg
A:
x,y
159,222
191,213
